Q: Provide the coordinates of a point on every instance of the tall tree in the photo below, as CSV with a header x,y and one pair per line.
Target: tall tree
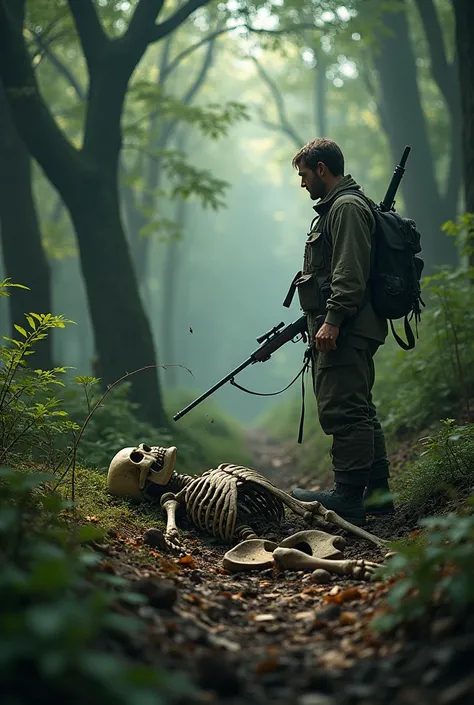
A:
x,y
404,121
464,13
24,258
87,178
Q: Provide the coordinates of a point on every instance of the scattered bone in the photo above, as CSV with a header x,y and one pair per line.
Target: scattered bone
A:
x,y
255,554
292,559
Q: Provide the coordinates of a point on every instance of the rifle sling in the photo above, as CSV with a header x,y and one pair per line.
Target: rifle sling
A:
x,y
271,394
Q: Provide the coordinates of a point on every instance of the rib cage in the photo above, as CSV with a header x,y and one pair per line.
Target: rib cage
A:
x,y
217,499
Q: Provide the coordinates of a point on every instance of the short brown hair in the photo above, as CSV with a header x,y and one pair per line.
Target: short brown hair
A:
x,y
321,150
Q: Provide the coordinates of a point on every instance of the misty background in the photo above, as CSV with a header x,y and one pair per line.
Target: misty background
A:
x,y
213,213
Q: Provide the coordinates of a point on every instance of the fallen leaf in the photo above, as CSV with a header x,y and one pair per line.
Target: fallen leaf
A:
x,y
193,597
335,659
308,615
267,666
187,561
313,590
346,618
352,593
262,617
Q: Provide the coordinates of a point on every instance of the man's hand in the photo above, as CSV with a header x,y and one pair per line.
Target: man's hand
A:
x,y
326,337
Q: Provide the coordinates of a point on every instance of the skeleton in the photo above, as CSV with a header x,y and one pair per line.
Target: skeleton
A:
x,y
226,501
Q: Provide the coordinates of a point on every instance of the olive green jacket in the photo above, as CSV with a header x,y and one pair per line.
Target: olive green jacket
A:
x,y
343,259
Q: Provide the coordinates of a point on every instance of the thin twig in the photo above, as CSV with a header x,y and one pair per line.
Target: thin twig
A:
x,y
77,440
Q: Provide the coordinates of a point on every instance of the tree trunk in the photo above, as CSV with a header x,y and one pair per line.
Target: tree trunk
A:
x,y
464,13
122,332
320,95
24,258
405,123
171,271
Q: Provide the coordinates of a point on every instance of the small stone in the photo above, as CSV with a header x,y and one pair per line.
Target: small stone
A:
x,y
328,614
161,594
154,537
320,576
195,576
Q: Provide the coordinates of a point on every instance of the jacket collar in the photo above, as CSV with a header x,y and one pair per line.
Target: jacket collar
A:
x,y
347,182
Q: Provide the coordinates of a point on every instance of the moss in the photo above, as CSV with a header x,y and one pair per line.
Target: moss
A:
x,y
113,513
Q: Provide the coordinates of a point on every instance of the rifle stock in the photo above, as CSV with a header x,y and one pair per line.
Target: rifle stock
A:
x,y
271,342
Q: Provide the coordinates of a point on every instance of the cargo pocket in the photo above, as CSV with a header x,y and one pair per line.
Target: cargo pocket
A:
x,y
308,292
347,353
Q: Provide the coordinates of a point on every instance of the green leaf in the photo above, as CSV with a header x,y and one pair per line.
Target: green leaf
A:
x,y
87,533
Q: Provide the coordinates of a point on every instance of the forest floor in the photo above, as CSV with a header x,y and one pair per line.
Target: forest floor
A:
x,y
276,637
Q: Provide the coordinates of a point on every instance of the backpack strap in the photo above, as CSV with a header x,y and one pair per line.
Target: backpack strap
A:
x,y
410,344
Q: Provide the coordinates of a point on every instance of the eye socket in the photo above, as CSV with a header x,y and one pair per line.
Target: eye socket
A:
x,y
146,447
136,456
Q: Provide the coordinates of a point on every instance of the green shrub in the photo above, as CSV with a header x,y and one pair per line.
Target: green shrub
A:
x,y
416,388
437,569
54,619
444,469
31,416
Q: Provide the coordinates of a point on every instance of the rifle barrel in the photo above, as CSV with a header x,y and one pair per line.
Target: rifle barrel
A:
x,y
389,197
213,389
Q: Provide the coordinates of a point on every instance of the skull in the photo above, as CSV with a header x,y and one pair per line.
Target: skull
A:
x,y
132,469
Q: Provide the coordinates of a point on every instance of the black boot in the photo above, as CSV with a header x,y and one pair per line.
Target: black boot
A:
x,y
345,500
378,499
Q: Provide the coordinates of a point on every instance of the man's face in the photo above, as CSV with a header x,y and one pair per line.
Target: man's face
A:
x,y
312,181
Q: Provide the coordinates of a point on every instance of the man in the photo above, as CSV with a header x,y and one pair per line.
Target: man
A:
x,y
344,330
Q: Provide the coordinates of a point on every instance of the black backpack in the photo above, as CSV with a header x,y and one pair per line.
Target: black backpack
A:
x,y
394,282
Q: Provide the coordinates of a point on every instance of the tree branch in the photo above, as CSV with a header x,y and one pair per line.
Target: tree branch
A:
x,y
223,30
443,73
91,33
201,77
59,65
161,30
33,120
285,125
193,47
142,23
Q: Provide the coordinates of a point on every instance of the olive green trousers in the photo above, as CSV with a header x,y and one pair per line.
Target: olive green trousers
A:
x,y
343,381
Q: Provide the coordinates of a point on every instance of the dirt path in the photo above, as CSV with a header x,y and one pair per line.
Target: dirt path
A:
x,y
267,637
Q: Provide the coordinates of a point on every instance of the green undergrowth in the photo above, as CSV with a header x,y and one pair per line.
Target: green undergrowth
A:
x,y
59,612
434,572
93,504
443,473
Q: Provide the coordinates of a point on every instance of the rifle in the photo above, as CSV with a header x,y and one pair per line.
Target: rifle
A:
x,y
270,342
388,202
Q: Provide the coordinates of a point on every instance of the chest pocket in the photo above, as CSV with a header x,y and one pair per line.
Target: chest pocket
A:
x,y
314,254
316,271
